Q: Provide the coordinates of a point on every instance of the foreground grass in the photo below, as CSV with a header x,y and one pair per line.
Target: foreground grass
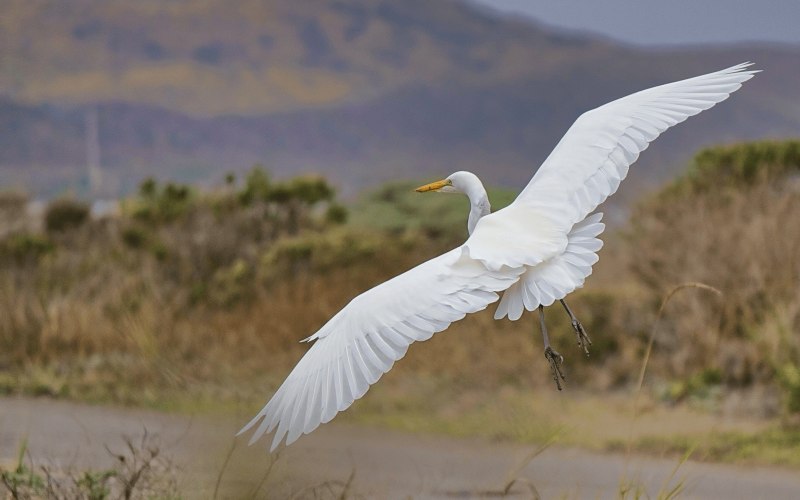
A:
x,y
407,401
773,446
597,422
193,302
139,470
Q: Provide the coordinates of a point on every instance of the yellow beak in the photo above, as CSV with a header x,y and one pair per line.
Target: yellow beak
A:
x,y
433,186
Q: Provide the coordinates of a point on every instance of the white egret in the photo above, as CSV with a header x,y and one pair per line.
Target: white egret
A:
x,y
536,250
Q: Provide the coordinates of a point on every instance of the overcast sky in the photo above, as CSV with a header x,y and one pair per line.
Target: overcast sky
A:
x,y
668,22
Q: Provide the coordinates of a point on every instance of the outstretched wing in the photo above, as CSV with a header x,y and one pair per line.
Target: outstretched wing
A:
x,y
593,157
587,166
374,330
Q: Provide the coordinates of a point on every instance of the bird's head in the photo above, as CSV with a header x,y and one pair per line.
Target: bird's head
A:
x,y
458,182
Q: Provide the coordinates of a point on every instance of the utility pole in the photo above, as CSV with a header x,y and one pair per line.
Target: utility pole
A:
x,y
93,153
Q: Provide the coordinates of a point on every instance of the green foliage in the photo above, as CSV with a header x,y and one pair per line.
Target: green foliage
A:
x,y
21,248
159,251
138,472
229,284
22,481
290,203
161,204
789,377
336,214
700,386
96,484
775,445
738,165
396,208
308,190
65,213
134,236
321,252
257,186
148,189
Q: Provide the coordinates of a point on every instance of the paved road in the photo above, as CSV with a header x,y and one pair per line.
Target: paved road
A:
x,y
386,464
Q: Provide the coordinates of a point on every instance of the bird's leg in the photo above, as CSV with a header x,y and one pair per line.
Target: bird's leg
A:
x,y
554,358
583,338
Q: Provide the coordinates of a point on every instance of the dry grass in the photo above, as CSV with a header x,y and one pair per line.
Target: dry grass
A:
x,y
190,298
743,243
206,293
138,471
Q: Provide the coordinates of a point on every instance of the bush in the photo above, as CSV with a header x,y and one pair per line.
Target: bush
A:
x,y
134,237
24,247
159,205
730,223
739,166
65,213
336,214
256,187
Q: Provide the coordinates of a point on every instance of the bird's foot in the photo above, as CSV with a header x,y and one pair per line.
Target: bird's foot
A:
x,y
556,361
583,338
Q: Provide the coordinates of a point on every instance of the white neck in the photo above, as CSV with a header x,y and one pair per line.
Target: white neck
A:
x,y
478,205
469,184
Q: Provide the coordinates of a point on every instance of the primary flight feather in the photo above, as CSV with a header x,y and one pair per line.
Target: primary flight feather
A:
x,y
537,250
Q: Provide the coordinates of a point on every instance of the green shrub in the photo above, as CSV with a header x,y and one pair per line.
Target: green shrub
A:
x,y
257,186
789,377
134,237
25,247
336,214
148,188
738,165
396,208
65,213
309,189
159,205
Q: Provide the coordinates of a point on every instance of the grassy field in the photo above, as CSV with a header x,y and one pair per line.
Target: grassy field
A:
x,y
191,300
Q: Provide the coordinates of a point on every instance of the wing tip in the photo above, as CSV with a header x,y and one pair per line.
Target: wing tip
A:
x,y
278,438
276,441
742,69
249,425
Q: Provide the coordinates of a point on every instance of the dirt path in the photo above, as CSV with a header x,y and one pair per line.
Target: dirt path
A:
x,y
386,464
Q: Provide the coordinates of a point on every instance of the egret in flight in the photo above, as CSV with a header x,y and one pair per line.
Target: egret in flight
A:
x,y
535,251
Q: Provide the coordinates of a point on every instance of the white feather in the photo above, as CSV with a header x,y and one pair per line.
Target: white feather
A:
x,y
341,361
538,249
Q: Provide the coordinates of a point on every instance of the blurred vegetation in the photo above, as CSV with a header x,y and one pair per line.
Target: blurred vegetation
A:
x,y
731,223
396,208
738,166
774,445
205,293
138,471
64,214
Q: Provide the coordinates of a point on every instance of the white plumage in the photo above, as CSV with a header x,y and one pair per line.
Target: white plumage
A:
x,y
538,249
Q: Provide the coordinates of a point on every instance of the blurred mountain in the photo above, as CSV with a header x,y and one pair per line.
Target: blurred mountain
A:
x,y
359,90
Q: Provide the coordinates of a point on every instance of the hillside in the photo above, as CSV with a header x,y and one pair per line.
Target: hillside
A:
x,y
261,56
360,90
